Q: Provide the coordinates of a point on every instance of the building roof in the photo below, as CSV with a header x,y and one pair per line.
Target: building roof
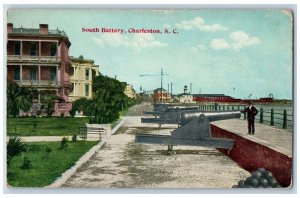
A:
x,y
185,94
159,89
81,60
211,95
36,32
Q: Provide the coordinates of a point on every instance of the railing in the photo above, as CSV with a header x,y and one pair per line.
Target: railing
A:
x,y
37,31
33,58
85,131
281,118
217,107
274,117
49,58
37,82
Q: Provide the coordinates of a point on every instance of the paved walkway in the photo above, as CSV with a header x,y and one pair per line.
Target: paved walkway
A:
x,y
122,163
276,139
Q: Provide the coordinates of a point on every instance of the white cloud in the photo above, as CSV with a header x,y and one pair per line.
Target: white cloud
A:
x,y
199,23
219,44
137,42
240,40
198,48
237,41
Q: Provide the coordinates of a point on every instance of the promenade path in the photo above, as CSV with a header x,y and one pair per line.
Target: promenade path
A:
x,y
277,139
122,163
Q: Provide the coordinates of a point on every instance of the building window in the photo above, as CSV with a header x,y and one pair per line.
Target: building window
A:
x,y
33,73
33,49
87,89
87,74
17,73
53,73
17,49
53,49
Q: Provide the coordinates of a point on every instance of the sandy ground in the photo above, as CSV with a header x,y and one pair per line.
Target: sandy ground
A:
x,y
122,163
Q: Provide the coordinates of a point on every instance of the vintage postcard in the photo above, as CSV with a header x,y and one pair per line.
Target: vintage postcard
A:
x,y
149,98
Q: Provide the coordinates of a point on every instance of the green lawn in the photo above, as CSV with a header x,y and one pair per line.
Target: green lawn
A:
x,y
45,170
39,126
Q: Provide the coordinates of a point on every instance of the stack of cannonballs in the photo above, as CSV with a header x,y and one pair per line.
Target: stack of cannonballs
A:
x,y
259,179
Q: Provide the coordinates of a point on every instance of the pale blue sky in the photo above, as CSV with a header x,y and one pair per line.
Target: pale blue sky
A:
x,y
234,52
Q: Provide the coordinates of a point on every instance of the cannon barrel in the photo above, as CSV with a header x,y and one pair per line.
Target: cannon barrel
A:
x,y
187,116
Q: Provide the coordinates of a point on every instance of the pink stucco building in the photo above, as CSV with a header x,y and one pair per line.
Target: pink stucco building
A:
x,y
40,58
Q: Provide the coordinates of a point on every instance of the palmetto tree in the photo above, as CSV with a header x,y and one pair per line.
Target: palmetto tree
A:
x,y
14,148
18,98
49,97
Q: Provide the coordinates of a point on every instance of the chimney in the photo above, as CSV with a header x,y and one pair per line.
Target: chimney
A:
x,y
44,28
10,27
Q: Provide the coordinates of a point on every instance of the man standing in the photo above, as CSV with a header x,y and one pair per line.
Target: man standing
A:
x,y
251,113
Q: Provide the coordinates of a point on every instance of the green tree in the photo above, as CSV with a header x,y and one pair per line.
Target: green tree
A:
x,y
14,148
19,98
49,97
80,105
108,99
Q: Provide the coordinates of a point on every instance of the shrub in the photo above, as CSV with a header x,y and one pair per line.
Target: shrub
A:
x,y
48,150
64,143
74,138
26,164
14,148
80,105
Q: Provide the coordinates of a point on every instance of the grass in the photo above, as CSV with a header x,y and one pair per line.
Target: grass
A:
x,y
44,126
45,170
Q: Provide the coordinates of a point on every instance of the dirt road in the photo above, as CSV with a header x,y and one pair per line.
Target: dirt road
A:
x,y
122,163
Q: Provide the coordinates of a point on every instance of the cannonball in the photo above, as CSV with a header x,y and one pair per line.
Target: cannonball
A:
x,y
241,183
263,182
268,175
262,170
273,182
234,186
254,182
256,174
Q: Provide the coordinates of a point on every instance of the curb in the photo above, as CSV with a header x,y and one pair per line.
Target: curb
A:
x,y
118,126
83,159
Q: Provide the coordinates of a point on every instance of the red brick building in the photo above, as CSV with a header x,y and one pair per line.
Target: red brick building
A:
x,y
40,58
161,95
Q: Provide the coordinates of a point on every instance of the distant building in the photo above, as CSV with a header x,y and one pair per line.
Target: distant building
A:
x,y
129,91
82,73
185,97
214,98
161,95
40,58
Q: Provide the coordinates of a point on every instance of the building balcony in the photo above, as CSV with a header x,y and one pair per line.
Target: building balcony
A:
x,y
33,58
39,83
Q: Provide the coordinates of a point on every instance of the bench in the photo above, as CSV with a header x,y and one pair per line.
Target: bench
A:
x,y
84,131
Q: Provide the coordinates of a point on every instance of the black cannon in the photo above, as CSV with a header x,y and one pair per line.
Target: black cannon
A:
x,y
160,108
167,114
194,131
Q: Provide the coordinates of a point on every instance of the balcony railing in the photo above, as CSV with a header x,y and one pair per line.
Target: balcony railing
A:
x,y
37,31
38,83
33,58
